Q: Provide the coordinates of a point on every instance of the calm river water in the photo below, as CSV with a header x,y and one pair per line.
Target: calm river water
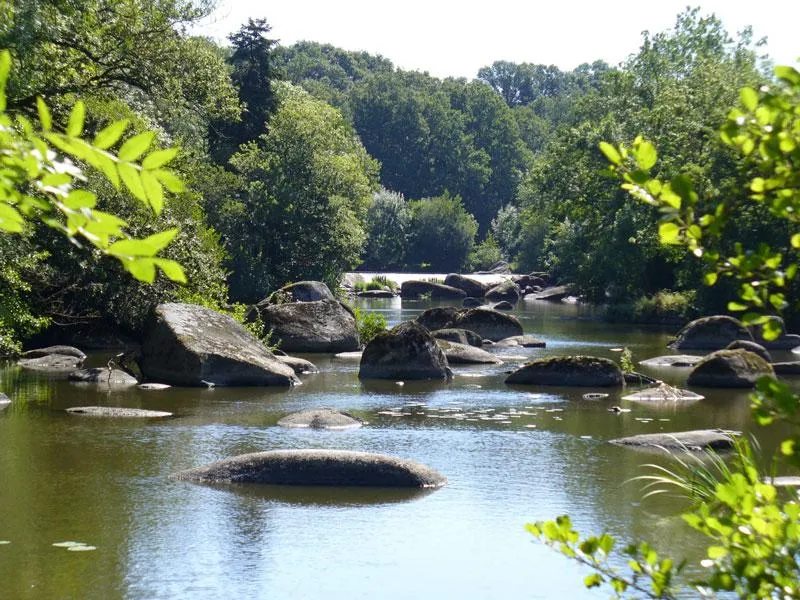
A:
x,y
512,455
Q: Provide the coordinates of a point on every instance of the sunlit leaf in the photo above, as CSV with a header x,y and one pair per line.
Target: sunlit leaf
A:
x,y
136,146
172,269
749,98
142,269
159,158
152,187
669,233
110,135
76,119
132,181
610,153
44,114
646,155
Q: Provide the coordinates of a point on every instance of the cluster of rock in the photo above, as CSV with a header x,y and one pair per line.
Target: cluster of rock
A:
x,y
473,293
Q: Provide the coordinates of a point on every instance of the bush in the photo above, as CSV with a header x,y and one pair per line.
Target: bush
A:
x,y
369,325
387,224
485,255
442,233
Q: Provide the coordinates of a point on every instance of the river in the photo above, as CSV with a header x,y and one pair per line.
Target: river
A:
x,y
511,455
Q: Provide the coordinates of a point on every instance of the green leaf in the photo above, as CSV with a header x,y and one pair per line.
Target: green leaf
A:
x,y
152,187
715,552
749,98
44,114
646,155
136,146
787,73
110,135
142,269
171,269
109,169
78,199
593,580
159,158
10,219
796,240
132,181
171,181
669,233
610,153
710,278
76,119
5,68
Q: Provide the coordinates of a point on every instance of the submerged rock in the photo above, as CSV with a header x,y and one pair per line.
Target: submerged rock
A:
x,y
710,333
673,360
581,371
103,376
154,386
117,412
465,354
318,326
408,351
729,369
320,418
187,344
696,440
376,294
317,467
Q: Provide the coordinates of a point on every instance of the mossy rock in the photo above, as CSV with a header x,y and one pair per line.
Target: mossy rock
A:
x,y
729,369
710,333
407,351
580,371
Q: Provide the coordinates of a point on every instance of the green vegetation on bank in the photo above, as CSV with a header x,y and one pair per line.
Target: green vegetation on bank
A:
x,y
305,161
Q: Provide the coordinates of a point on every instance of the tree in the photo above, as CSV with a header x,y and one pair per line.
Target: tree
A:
x,y
442,233
304,189
252,75
387,225
754,539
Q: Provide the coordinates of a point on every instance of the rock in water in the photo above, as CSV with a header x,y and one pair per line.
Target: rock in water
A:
x,y
319,326
464,354
750,347
187,344
317,467
62,350
118,412
697,440
489,324
5,402
459,336
472,288
320,418
303,291
52,363
408,351
729,369
710,333
437,291
301,366
101,376
581,371
507,291
434,319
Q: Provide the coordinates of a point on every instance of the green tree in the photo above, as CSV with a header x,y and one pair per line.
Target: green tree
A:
x,y
442,233
387,225
306,185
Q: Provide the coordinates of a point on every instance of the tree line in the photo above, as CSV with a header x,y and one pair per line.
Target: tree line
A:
x,y
304,161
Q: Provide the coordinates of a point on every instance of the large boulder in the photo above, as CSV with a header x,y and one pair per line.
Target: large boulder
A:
x,y
550,294
320,418
487,323
729,369
680,441
319,326
581,371
187,344
459,336
470,287
529,281
508,291
302,291
437,291
434,319
463,354
317,467
710,333
408,351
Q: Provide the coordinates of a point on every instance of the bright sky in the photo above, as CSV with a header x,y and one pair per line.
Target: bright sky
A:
x,y
456,38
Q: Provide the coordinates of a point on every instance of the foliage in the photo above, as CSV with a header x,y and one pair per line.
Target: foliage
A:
x,y
387,225
378,282
754,536
369,325
442,233
626,361
485,255
38,184
295,212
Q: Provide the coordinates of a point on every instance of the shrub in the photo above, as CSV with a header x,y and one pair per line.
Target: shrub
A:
x,y
369,324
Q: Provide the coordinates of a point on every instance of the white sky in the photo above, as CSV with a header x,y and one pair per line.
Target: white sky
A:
x,y
452,38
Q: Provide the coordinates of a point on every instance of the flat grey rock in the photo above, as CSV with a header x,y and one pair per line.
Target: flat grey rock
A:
x,y
117,412
663,393
695,440
317,467
300,365
551,294
355,355
101,376
464,354
672,360
320,418
523,341
376,294
154,386
51,363
63,350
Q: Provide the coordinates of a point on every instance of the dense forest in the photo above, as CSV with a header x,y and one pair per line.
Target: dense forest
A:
x,y
305,161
